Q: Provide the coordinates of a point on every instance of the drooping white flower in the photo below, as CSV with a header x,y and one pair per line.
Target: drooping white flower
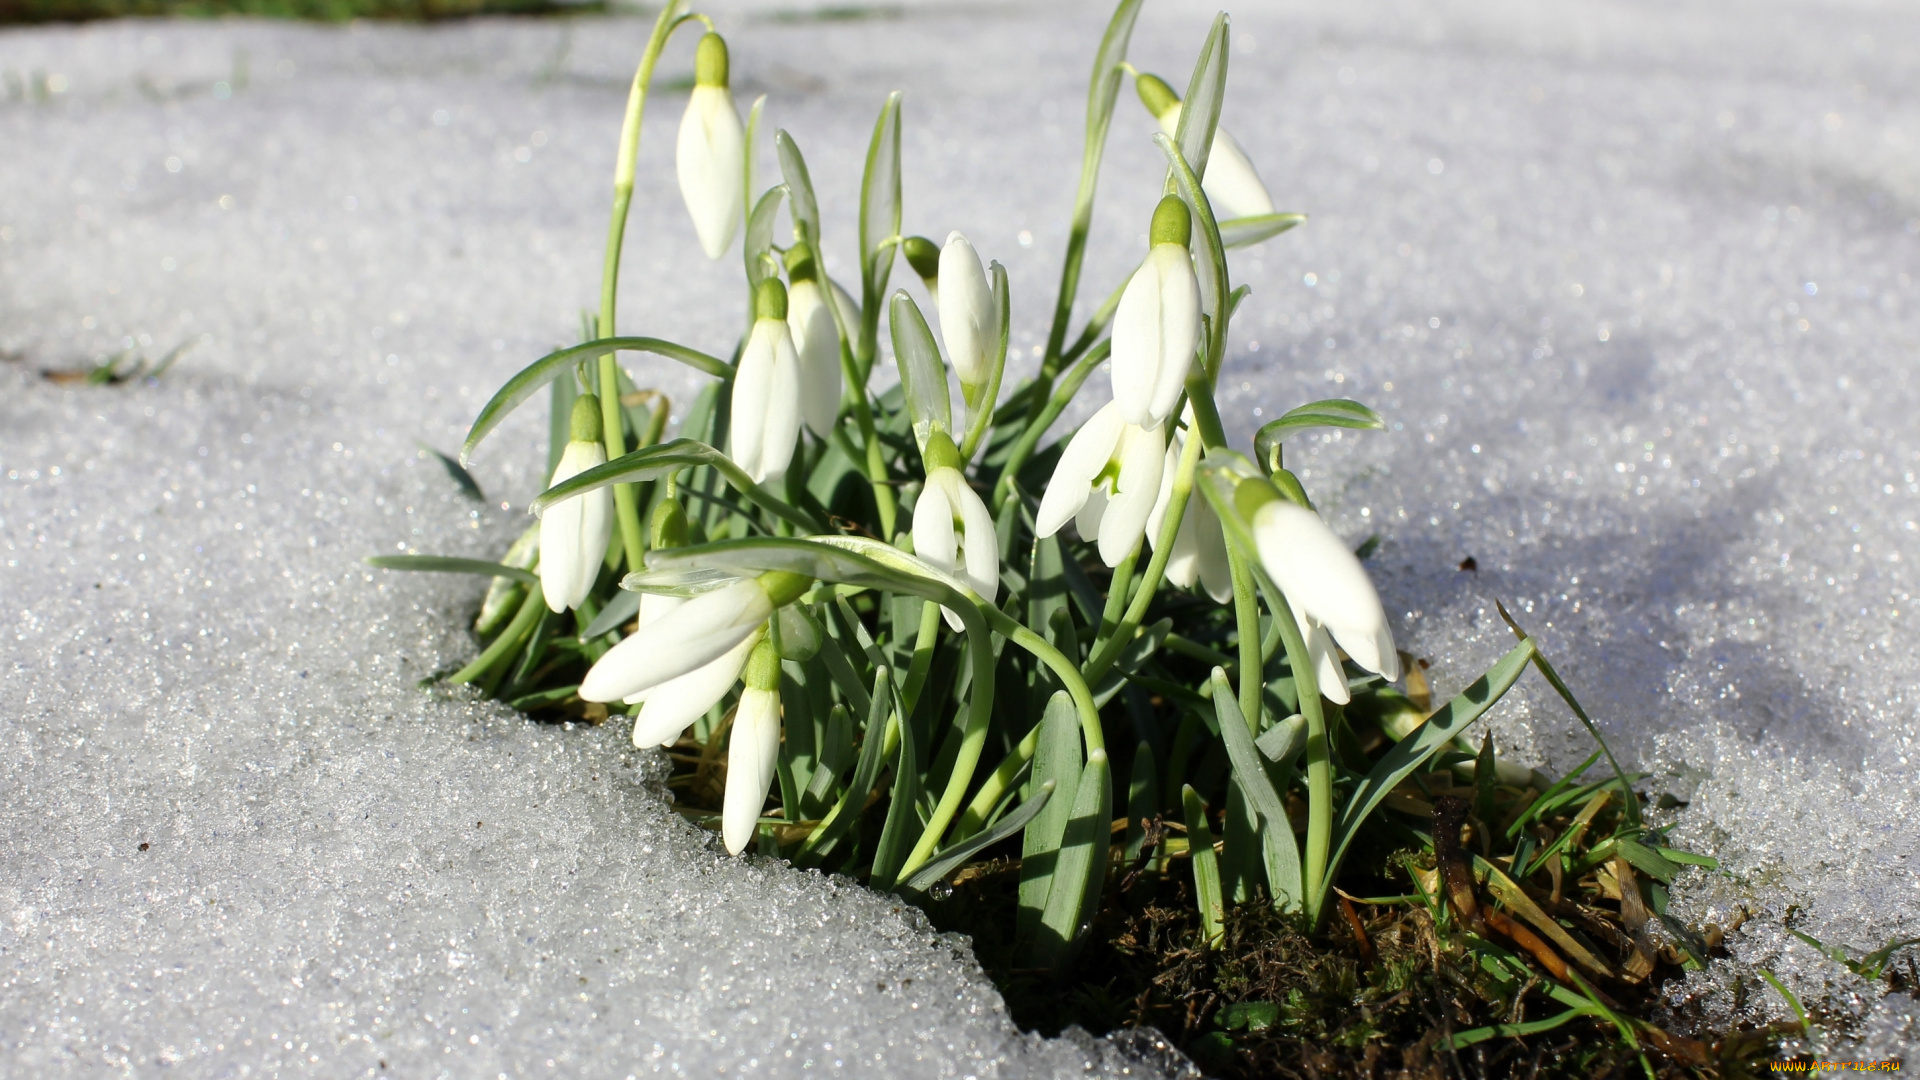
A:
x,y
753,749
766,391
701,631
1200,546
711,155
969,320
953,531
574,532
1108,480
1157,326
816,341
670,708
1232,187
1328,589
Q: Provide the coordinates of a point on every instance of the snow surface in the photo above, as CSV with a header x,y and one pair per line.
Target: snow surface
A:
x,y
1634,284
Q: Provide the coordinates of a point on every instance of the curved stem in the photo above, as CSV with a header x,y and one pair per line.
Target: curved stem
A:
x,y
1037,428
922,660
625,502
1315,871
1003,778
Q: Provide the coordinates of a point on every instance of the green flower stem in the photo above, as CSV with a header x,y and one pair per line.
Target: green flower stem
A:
x,y
523,622
1319,758
996,786
625,502
1117,589
1030,438
972,739
923,649
1109,650
1191,648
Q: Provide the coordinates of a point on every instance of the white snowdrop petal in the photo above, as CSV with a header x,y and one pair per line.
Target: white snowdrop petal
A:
x,y
1135,361
701,631
969,323
1179,328
710,159
1125,518
933,535
1324,579
1086,455
817,342
674,705
571,529
752,750
1232,186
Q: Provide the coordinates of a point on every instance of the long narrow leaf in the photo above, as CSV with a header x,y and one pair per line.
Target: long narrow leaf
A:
x,y
1056,762
1334,413
923,375
1210,260
1277,842
1206,92
880,200
903,826
446,564
793,169
1206,866
758,246
949,860
622,606
551,366
872,754
655,462
1423,742
1082,867
1247,231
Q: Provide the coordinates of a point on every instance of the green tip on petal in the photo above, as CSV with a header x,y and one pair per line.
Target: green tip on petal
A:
x,y
800,264
668,528
923,255
940,452
710,61
784,588
770,301
1172,223
584,424
1155,94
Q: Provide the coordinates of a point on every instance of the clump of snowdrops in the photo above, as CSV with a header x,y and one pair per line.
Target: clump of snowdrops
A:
x,y
906,633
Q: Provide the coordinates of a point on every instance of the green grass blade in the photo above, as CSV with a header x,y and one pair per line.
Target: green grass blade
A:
x,y
950,860
903,826
456,472
551,366
819,844
1143,798
666,459
1410,753
793,169
447,564
1206,866
757,248
1464,1039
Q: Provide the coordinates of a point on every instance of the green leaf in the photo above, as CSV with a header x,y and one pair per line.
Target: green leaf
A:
x,y
622,606
806,209
1281,851
757,248
1250,1015
1874,964
560,413
455,472
1646,860
821,841
1334,412
1206,92
903,825
1143,798
880,201
1410,753
1248,231
950,860
1687,857
923,374
1206,866
1464,1039
1056,762
1082,868
666,459
551,366
446,564
1283,742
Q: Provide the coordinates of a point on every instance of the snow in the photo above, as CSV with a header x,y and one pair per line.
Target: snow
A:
x,y
1634,286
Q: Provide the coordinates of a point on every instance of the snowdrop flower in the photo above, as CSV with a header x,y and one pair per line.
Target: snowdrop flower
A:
x,y
766,391
952,529
1231,185
969,320
816,340
1108,480
712,152
753,749
1157,325
1200,547
701,631
574,532
1328,589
